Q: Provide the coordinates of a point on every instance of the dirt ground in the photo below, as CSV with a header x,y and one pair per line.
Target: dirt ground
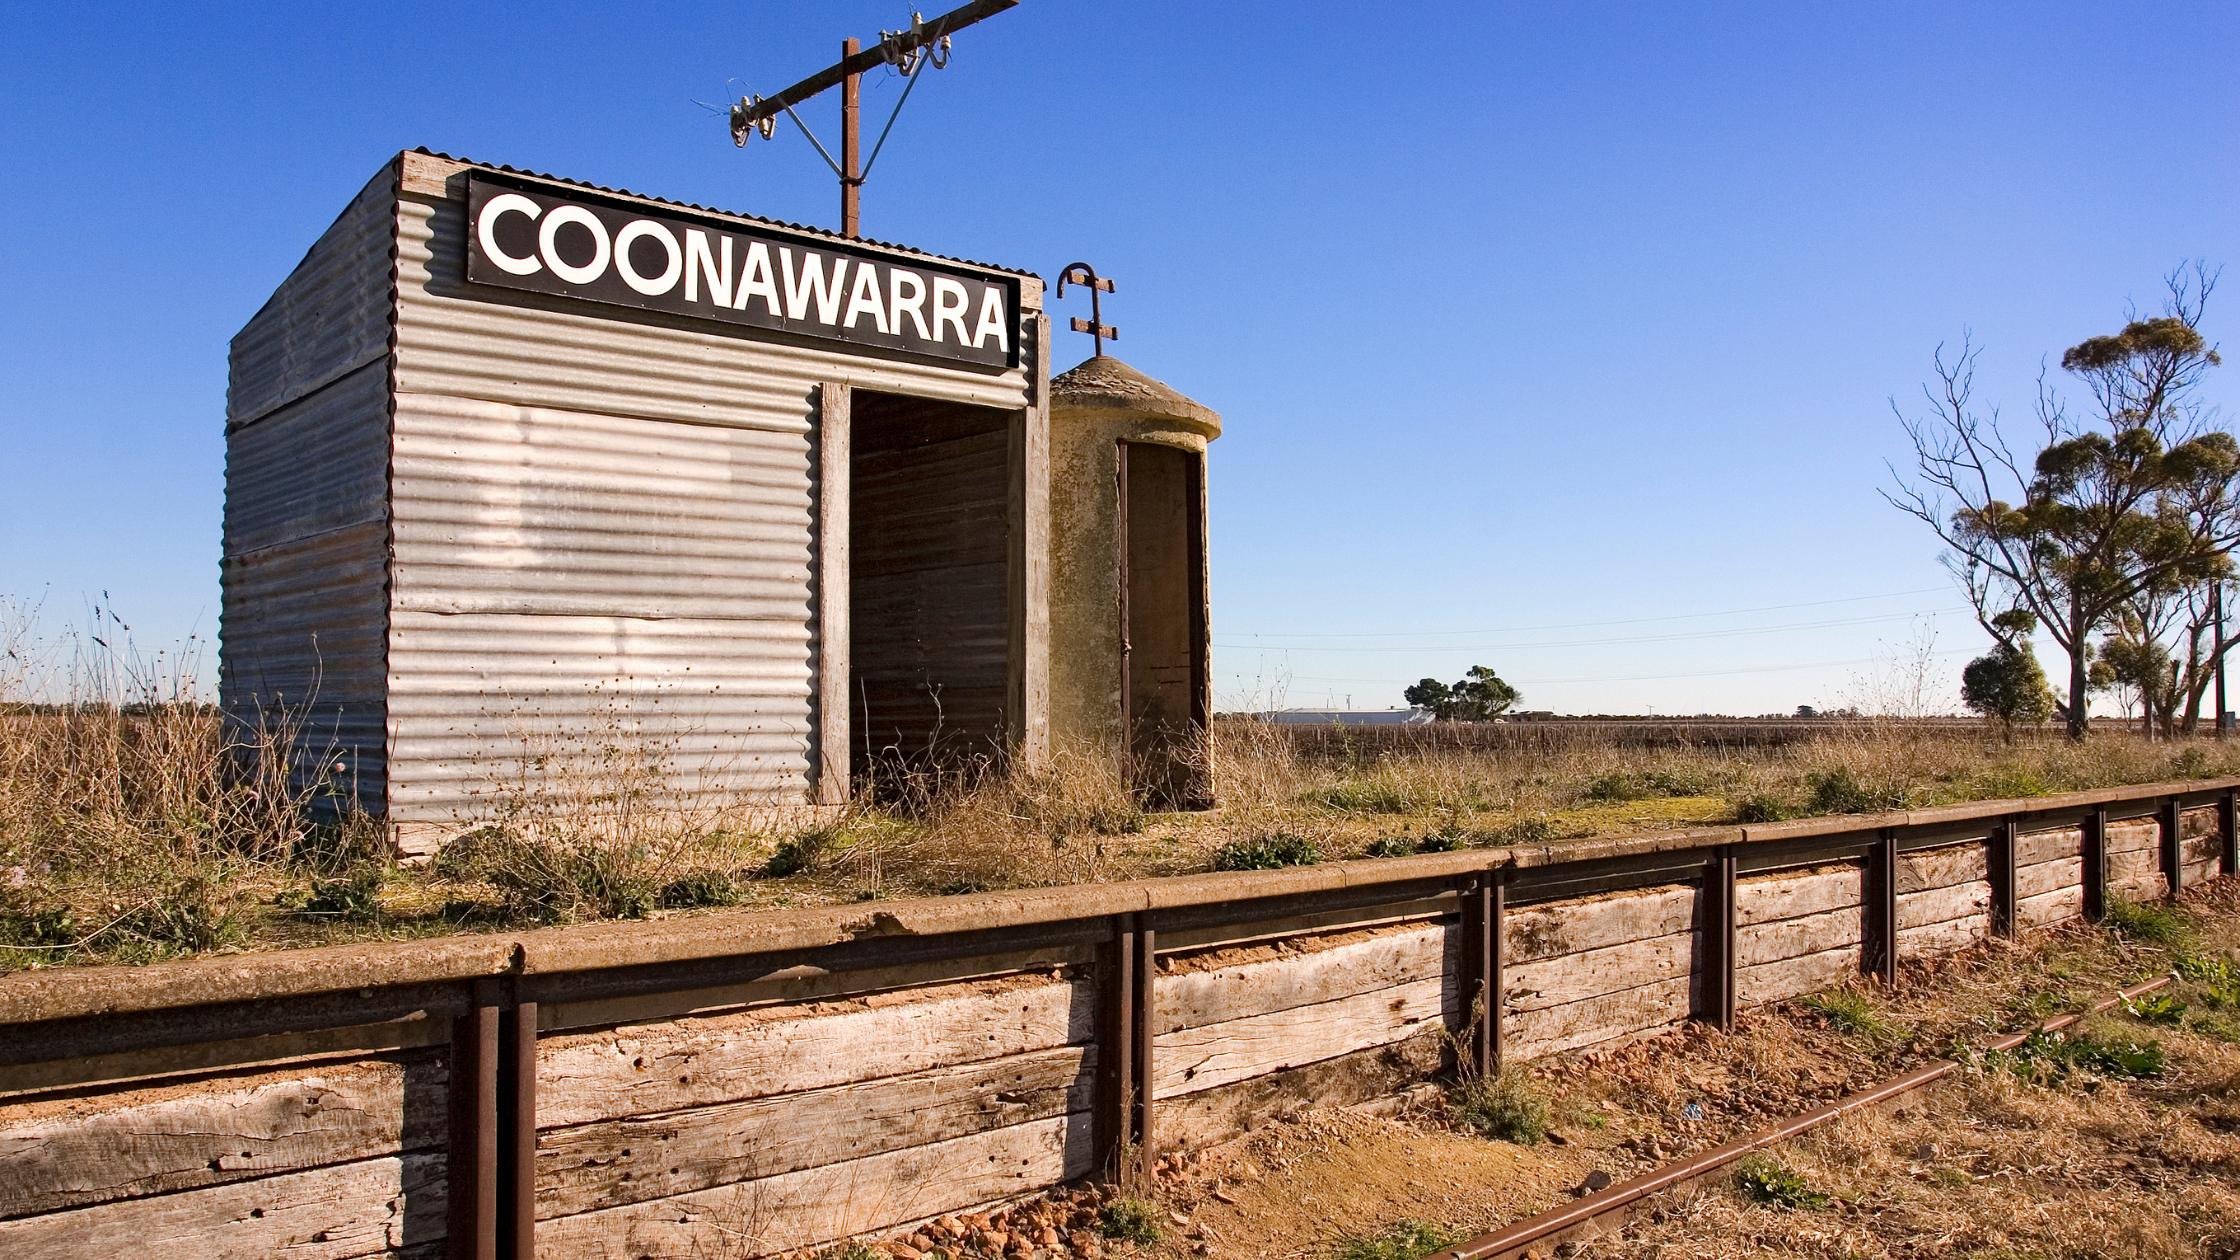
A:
x,y
2014,1156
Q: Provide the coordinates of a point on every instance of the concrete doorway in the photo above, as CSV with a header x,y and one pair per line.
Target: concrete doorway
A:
x,y
929,543
1164,693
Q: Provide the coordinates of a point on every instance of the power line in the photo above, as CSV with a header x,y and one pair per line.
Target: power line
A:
x,y
1565,643
1584,625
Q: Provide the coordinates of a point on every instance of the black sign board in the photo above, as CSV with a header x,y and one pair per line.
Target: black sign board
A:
x,y
520,235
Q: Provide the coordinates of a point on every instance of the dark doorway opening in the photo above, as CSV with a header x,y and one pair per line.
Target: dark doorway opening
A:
x,y
928,586
1163,610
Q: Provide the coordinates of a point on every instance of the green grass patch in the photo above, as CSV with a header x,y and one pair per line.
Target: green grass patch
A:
x,y
2153,925
1266,853
1401,1240
2155,1008
1506,1107
2048,1057
1769,1181
1129,1220
1851,1013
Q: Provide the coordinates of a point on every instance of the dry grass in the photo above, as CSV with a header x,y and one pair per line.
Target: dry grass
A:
x,y
135,824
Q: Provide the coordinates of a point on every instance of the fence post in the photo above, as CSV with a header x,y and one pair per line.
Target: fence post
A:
x,y
1144,970
1879,907
2000,847
517,1126
2095,875
1480,971
2172,820
471,1164
1717,919
2228,852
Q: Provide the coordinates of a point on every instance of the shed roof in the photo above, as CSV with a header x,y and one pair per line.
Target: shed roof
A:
x,y
1104,381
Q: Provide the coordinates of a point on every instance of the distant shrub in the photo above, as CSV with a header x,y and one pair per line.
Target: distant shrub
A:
x,y
1266,853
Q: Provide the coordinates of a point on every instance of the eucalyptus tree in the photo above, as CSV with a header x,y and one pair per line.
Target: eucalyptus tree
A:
x,y
2131,502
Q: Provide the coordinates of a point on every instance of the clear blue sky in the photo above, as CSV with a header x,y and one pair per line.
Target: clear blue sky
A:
x,y
1558,338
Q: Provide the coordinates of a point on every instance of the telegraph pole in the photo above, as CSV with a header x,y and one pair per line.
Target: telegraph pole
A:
x,y
909,51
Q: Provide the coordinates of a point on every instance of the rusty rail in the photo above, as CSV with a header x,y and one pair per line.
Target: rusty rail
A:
x,y
1592,1212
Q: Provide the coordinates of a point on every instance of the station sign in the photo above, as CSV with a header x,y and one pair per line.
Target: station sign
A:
x,y
524,235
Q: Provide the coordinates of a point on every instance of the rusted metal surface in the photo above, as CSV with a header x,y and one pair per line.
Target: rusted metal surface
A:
x,y
1715,909
1603,1208
2095,874
1086,276
2000,863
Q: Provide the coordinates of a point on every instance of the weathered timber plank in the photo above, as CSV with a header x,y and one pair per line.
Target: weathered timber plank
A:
x,y
1606,1017
2044,877
339,1213
1797,975
1193,999
1795,938
2132,836
1213,1055
1571,927
1578,977
585,1168
2033,847
1217,1115
1939,905
642,1069
1941,868
1947,937
95,1148
819,1205
1795,895
2048,908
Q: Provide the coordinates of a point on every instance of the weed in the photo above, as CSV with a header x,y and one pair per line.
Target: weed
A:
x,y
1388,847
852,1249
1838,791
1768,1181
2155,1008
1129,1220
1401,1240
701,888
49,927
1615,786
2222,1028
1506,1106
2053,1056
187,920
1759,807
1444,840
1851,1012
2218,979
2154,925
354,898
1266,853
1371,797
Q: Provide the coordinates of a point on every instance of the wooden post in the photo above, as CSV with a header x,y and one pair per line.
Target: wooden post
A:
x,y
834,474
472,1146
2228,833
1122,1121
1480,972
517,1124
2172,820
1879,889
2095,855
1716,922
2000,849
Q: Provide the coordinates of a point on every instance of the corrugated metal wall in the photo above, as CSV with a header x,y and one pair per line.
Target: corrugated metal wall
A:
x,y
604,530
303,622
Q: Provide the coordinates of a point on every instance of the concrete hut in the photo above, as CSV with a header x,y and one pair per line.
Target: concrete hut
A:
x,y
522,471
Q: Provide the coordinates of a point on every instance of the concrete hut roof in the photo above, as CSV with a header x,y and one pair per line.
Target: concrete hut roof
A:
x,y
1104,381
